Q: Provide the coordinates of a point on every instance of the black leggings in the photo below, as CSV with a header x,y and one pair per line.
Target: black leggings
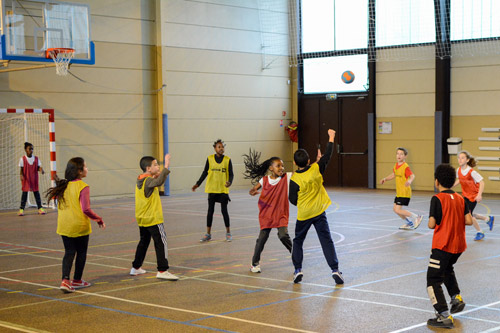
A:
x,y
72,246
211,208
24,199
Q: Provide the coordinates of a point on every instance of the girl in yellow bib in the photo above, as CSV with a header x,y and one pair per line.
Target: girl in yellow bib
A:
x,y
219,173
73,221
404,178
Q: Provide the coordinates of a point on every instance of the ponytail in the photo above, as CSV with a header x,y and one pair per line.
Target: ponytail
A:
x,y
73,169
254,170
471,160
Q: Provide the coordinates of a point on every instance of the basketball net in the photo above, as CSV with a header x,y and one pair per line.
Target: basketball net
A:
x,y
62,57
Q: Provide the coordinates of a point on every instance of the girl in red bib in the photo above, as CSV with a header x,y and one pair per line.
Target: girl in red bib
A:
x,y
472,189
273,201
30,166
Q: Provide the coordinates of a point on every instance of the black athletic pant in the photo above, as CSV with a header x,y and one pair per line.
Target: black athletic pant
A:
x,y
74,246
441,271
211,208
157,232
261,241
24,199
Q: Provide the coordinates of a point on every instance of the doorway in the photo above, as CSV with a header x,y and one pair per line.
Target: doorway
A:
x,y
348,116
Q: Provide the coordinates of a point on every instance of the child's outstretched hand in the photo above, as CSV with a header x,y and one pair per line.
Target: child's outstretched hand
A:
x,y
319,155
228,184
101,224
331,135
253,192
479,198
408,183
194,187
382,181
167,161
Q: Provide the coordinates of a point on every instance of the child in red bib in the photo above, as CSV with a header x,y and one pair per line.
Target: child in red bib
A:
x,y
30,166
448,216
472,189
273,201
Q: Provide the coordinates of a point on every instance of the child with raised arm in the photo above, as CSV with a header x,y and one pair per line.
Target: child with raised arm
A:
x,y
219,171
404,177
309,195
448,216
273,201
149,216
73,221
30,166
472,184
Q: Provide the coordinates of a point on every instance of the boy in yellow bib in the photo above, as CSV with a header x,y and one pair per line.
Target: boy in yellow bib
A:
x,y
149,215
219,173
308,194
404,177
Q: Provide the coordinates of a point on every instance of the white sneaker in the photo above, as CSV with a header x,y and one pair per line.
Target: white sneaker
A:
x,y
167,276
138,271
418,220
255,269
408,226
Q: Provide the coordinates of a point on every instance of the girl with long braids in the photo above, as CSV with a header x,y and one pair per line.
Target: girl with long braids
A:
x,y
73,221
273,200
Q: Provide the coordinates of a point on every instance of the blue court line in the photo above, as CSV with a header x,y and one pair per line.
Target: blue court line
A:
x,y
188,323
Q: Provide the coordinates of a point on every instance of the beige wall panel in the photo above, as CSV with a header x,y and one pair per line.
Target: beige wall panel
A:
x,y
479,58
102,81
128,56
406,82
251,130
479,78
212,15
477,103
406,105
122,30
408,128
189,84
244,4
132,9
396,59
198,152
105,132
118,183
211,38
209,61
84,106
205,107
398,66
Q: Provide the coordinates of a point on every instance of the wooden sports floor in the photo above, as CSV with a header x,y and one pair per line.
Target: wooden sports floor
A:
x,y
384,269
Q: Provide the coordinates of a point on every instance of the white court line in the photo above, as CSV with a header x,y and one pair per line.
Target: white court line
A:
x,y
494,329
458,315
20,328
201,313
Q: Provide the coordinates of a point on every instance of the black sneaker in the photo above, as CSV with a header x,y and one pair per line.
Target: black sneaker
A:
x,y
441,321
457,304
337,276
297,276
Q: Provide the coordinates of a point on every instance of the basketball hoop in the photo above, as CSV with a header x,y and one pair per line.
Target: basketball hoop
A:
x,y
62,57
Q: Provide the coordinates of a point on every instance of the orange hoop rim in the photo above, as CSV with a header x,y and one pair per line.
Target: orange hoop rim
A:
x,y
56,50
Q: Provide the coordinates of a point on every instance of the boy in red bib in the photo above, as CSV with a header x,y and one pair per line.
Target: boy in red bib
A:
x,y
448,216
273,201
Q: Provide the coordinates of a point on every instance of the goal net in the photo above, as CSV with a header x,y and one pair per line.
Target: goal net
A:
x,y
18,126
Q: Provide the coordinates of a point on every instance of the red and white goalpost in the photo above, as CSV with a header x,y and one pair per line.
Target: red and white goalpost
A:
x,y
16,127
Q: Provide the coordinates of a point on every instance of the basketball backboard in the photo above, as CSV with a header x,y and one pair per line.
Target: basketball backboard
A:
x,y
30,27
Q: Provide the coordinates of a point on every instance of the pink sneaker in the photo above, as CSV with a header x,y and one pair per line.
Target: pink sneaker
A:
x,y
66,286
78,284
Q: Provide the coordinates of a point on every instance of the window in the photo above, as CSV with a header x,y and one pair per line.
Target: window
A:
x,y
472,19
324,75
333,25
403,22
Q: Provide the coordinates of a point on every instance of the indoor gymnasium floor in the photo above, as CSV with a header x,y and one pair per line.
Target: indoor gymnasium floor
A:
x,y
384,269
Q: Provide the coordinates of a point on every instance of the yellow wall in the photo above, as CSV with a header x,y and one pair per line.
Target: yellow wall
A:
x,y
405,97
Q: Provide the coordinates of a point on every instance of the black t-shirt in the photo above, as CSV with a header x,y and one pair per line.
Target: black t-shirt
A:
x,y
436,210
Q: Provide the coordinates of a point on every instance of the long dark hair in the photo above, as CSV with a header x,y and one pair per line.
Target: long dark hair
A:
x,y
255,170
73,169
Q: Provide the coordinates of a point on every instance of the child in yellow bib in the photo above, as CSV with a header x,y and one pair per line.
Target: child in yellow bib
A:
x,y
219,173
404,177
149,216
73,221
309,195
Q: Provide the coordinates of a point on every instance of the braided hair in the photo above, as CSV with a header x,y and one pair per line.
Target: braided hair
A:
x,y
73,169
255,170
